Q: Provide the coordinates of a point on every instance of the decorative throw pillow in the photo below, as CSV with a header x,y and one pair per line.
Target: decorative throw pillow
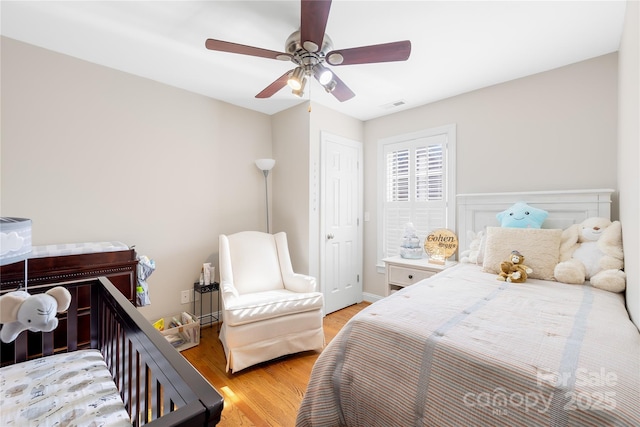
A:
x,y
540,247
521,215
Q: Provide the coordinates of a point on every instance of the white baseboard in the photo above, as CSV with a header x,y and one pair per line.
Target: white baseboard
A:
x,y
366,296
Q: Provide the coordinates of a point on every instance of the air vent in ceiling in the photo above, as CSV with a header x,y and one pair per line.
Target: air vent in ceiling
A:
x,y
394,104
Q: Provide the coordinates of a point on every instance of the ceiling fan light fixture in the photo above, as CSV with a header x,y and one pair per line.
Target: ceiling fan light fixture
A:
x,y
296,78
300,92
322,74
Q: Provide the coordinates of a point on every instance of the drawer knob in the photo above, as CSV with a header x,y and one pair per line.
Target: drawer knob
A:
x,y
411,276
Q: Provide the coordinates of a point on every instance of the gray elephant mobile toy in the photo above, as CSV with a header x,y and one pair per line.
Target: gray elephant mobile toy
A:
x,y
20,311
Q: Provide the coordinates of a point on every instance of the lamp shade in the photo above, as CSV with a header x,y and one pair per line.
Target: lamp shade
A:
x,y
15,240
265,164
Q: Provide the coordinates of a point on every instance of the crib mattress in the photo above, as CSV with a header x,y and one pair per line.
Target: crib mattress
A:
x,y
64,389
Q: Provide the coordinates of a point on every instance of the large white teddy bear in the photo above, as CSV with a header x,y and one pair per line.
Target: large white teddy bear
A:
x,y
592,251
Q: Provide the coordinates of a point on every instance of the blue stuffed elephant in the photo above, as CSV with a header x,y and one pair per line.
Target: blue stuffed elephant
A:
x,y
20,311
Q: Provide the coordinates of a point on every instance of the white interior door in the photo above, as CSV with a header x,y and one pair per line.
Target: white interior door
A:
x,y
341,222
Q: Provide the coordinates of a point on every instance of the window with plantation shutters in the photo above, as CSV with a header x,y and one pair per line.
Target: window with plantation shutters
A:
x,y
417,174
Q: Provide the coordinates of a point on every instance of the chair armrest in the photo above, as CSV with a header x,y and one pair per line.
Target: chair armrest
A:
x,y
229,293
300,283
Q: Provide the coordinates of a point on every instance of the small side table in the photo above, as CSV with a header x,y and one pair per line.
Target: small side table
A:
x,y
210,318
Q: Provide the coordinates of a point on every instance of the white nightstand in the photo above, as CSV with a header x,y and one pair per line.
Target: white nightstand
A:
x,y
401,272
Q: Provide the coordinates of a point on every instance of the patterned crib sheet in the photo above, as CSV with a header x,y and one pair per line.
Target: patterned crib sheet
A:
x,y
70,389
76,249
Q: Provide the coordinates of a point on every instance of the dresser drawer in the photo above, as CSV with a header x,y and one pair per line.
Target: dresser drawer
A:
x,y
407,276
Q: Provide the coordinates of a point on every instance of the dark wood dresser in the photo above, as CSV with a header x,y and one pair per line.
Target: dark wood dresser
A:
x,y
119,266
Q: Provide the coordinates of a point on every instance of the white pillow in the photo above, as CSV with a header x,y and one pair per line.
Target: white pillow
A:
x,y
539,246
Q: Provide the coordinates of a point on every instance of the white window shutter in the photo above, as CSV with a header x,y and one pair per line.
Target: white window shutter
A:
x,y
415,181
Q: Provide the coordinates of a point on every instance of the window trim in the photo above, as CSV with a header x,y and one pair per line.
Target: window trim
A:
x,y
450,132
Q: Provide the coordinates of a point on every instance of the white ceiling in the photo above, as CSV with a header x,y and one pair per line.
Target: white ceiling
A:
x,y
456,46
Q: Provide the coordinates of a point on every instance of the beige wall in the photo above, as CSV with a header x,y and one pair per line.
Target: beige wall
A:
x,y
93,154
291,183
550,131
629,154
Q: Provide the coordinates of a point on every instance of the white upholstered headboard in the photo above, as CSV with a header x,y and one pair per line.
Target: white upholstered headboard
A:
x,y
565,207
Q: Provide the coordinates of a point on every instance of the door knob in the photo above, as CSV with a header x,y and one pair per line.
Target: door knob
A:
x,y
330,236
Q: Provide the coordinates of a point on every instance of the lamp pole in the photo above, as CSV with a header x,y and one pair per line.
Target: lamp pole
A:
x,y
265,165
266,195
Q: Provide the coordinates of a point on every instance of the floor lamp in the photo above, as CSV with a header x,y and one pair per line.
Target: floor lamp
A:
x,y
265,165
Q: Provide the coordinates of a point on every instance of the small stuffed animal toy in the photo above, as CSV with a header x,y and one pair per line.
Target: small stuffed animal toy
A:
x,y
20,311
514,270
521,215
592,251
474,253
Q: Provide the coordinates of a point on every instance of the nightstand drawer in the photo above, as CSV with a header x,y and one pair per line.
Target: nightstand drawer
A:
x,y
401,272
407,276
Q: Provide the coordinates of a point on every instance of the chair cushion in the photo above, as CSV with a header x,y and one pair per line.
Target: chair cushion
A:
x,y
265,305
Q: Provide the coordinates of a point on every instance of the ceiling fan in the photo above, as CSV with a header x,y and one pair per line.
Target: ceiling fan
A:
x,y
310,48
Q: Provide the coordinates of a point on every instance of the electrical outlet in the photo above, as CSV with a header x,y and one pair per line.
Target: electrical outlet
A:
x,y
184,297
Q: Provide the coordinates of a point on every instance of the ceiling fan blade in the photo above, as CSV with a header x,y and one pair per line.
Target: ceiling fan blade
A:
x,y
274,87
342,91
386,52
313,21
230,47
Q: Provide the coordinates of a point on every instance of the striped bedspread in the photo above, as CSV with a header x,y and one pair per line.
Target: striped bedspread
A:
x,y
464,349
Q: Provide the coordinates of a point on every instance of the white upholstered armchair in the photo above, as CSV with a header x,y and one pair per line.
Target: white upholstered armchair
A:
x,y
268,311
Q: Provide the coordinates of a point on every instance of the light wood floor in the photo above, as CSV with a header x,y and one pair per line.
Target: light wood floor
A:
x,y
267,394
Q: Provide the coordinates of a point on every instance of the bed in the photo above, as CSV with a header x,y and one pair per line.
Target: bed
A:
x,y
120,367
462,348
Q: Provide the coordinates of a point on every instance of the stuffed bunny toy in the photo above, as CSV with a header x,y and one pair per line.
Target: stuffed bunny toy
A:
x,y
20,311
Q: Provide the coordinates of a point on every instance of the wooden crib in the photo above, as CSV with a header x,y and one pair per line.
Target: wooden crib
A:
x,y
157,385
